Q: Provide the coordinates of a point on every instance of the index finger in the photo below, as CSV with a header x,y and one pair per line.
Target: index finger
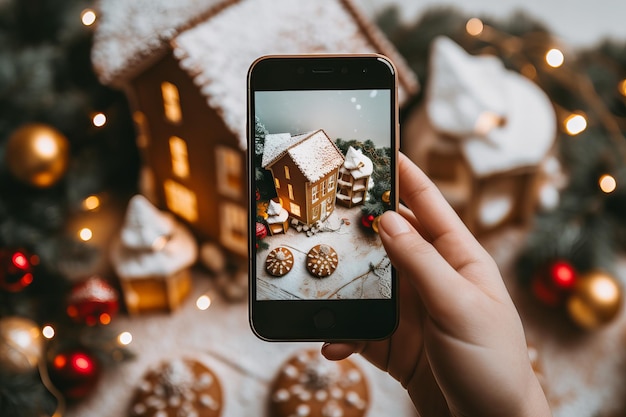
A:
x,y
444,228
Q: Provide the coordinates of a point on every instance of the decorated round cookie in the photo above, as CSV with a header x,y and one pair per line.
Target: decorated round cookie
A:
x,y
182,387
309,385
321,261
279,261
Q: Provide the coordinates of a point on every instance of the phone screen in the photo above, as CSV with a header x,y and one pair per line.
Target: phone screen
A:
x,y
322,174
322,155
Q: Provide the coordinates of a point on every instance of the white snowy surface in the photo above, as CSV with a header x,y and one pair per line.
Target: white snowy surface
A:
x,y
357,249
219,337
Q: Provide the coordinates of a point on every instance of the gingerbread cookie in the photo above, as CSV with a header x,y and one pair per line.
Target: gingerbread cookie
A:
x,y
279,262
182,387
321,261
310,385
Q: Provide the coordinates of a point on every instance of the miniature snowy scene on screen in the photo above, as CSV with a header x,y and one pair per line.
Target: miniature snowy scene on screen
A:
x,y
322,179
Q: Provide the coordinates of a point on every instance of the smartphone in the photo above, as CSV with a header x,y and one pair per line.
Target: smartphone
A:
x,y
322,152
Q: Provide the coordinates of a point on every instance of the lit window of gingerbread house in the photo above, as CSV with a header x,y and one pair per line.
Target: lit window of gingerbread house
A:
x,y
354,178
313,161
183,65
482,134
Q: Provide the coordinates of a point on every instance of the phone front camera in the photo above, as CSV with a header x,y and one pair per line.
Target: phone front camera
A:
x,y
364,70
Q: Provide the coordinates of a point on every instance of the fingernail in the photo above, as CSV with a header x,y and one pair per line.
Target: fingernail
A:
x,y
394,224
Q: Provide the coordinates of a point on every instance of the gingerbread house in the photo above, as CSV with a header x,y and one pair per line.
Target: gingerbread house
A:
x,y
482,134
305,169
183,66
354,178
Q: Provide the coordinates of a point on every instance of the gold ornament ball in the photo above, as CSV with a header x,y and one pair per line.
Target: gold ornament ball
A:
x,y
375,224
37,154
386,197
595,301
21,345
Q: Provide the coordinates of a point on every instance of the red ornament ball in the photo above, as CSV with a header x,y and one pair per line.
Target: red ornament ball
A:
x,y
553,283
16,269
93,301
261,230
74,373
367,220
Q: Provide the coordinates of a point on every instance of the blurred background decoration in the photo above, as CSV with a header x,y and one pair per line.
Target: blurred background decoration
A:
x,y
523,132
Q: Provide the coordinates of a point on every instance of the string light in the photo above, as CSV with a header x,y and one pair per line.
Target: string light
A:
x,y
474,26
555,58
575,124
99,119
125,338
48,332
85,234
203,302
91,203
607,183
88,17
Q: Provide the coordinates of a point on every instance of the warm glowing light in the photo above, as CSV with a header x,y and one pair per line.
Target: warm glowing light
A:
x,y
605,290
60,361
607,183
203,302
48,332
85,234
125,338
45,146
99,119
91,203
105,319
474,26
555,58
88,17
575,124
622,88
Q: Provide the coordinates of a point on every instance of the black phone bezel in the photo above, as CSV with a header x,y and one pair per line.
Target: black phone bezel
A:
x,y
320,320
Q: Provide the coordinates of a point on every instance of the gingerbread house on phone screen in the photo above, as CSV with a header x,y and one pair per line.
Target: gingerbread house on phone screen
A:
x,y
305,169
183,66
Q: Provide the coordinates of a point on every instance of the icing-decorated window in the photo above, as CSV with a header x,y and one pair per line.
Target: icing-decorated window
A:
x,y
315,193
180,157
229,171
331,182
323,188
233,227
171,102
295,209
181,200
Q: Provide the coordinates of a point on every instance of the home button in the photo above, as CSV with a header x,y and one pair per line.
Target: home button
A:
x,y
324,319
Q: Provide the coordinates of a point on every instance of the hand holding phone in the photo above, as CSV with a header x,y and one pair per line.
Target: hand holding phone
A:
x,y
322,140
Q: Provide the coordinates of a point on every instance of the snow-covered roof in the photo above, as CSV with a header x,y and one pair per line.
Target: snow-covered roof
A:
x,y
313,153
216,41
275,145
359,165
465,91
